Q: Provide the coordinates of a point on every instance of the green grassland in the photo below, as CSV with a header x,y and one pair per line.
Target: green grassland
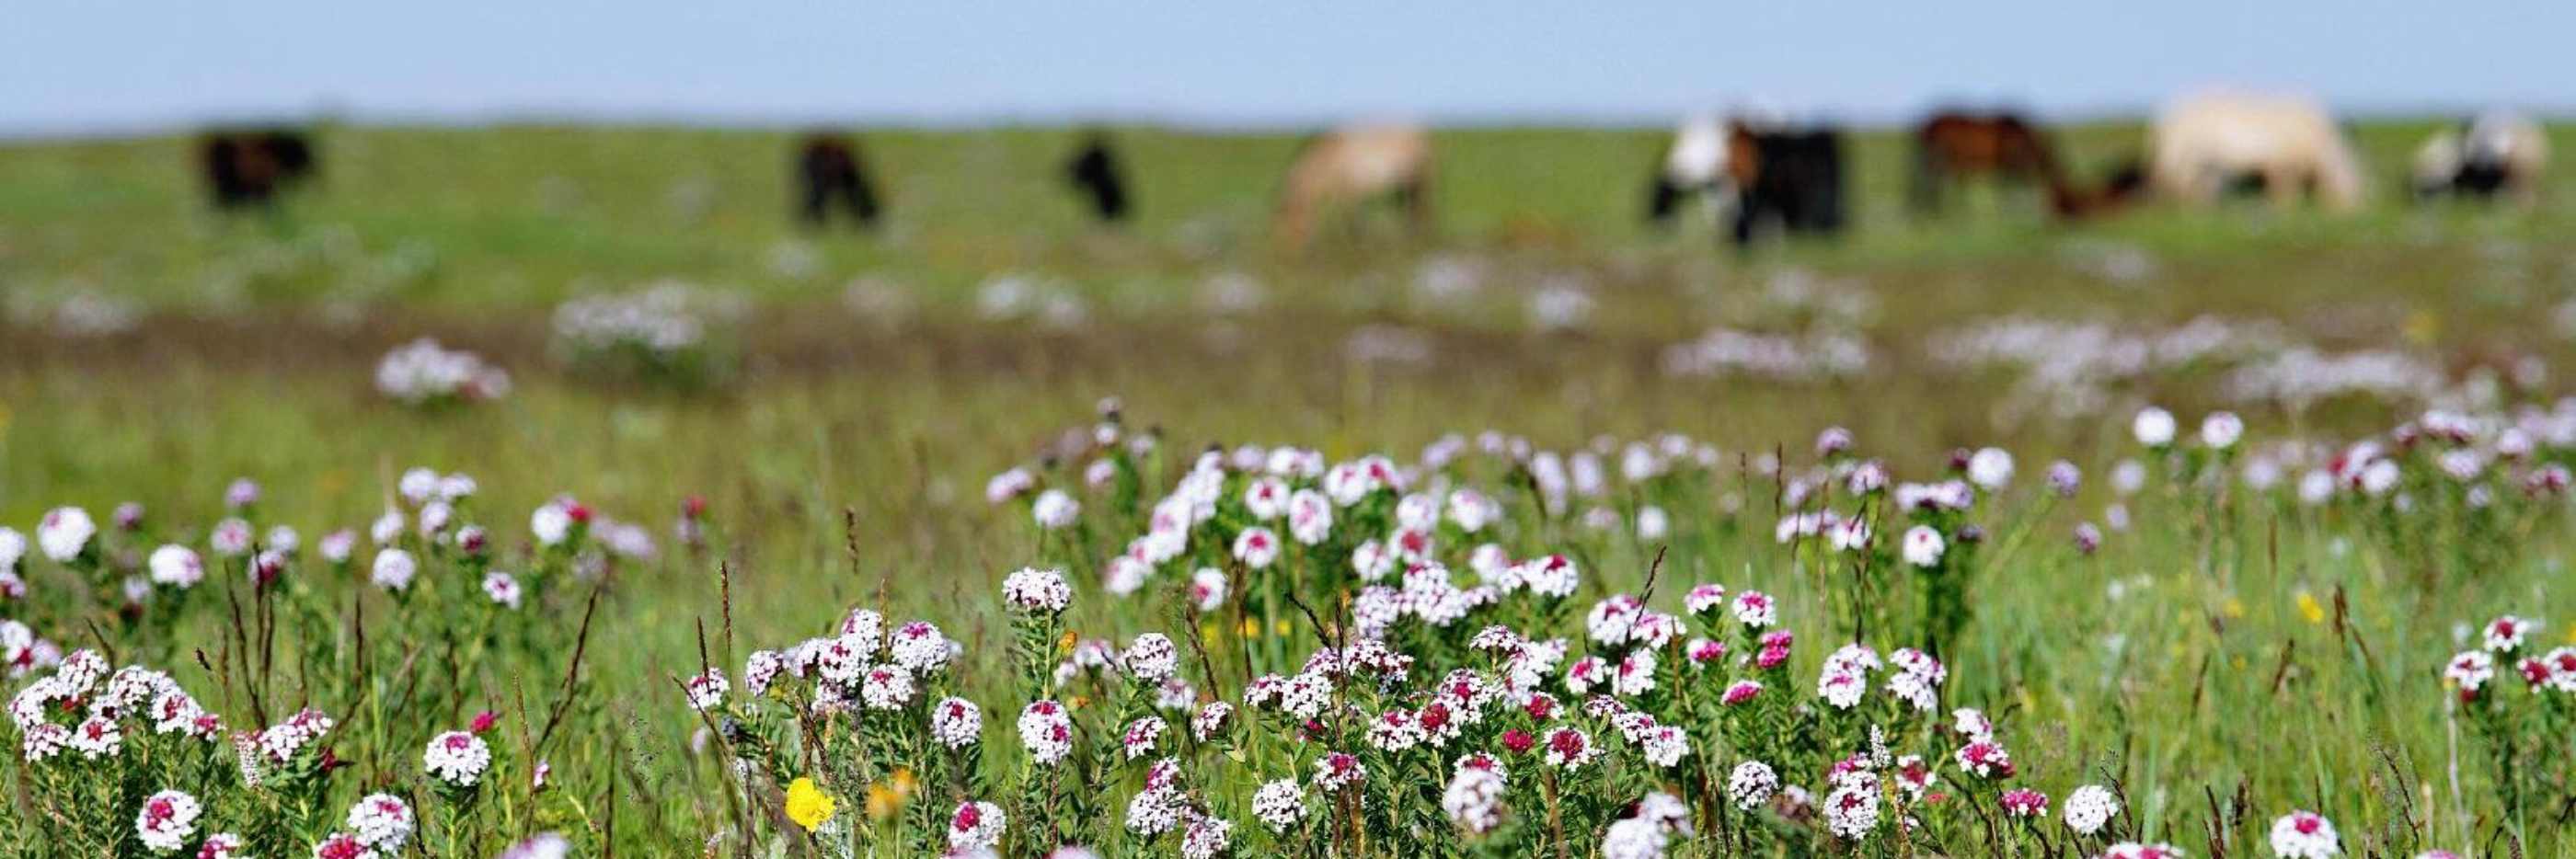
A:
x,y
255,337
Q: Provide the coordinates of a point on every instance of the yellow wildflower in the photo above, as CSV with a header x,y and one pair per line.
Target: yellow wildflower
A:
x,y
1281,628
2233,608
2423,327
1251,629
808,805
1064,644
2309,608
883,802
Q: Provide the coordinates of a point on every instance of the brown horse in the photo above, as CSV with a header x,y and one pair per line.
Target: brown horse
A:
x,y
1954,145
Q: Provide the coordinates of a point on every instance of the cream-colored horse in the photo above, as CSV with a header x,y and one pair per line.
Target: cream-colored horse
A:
x,y
2203,143
1349,166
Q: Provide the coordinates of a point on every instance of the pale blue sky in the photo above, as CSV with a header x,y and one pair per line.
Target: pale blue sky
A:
x,y
72,66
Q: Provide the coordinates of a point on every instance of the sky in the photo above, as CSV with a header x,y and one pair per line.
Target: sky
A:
x,y
112,66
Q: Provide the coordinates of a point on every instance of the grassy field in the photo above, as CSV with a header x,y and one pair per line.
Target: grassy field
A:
x,y
2230,656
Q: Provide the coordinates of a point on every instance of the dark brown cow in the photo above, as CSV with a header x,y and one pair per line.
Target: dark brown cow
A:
x,y
249,168
829,171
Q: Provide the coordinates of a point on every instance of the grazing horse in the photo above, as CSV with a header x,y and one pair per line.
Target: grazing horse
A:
x,y
1955,145
1795,182
828,169
249,168
1352,165
1094,171
1701,163
2202,144
2494,154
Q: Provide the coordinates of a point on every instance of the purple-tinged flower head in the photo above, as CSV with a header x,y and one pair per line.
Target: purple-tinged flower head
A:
x,y
2024,803
1755,610
176,566
2505,634
975,826
1833,441
1280,804
64,533
221,845
1337,770
382,821
706,691
1037,591
1990,468
457,758
166,820
2305,835
2089,808
1751,784
956,723
1985,759
342,845
2468,672
1046,729
2064,478
2153,427
1741,692
1923,546
2220,430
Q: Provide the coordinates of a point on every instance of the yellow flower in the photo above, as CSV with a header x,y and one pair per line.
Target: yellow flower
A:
x,y
1281,627
2309,608
1251,628
2571,633
808,805
882,801
887,797
1064,643
2233,608
1209,630
2422,327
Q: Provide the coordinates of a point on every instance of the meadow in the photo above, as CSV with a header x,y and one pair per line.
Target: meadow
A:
x,y
2223,653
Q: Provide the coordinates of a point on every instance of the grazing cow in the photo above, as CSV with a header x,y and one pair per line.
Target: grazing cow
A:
x,y
1796,182
1952,145
1700,164
2201,145
2494,154
1352,165
250,168
829,169
1095,172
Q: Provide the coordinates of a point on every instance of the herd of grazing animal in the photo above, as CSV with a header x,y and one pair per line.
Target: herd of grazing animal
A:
x,y
1755,177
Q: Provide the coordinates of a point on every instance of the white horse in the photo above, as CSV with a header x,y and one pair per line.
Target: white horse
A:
x,y
2201,144
1351,165
2495,153
1701,164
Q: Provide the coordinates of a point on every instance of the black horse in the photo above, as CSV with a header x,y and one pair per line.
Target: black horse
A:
x,y
1796,187
829,171
1096,174
250,168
